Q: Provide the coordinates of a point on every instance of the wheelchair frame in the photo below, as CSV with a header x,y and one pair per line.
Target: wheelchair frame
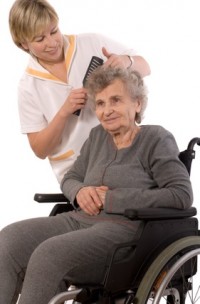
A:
x,y
166,256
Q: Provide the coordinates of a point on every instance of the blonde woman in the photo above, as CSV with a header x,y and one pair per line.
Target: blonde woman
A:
x,y
51,89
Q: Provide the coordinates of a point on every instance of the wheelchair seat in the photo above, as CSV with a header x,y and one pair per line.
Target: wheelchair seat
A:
x,y
162,264
162,243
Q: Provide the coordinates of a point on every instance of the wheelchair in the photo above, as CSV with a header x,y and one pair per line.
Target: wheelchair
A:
x,y
162,265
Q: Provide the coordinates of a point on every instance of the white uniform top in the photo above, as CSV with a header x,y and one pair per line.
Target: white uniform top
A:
x,y
41,95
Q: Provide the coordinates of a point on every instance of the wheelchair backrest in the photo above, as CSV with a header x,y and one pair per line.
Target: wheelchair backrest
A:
x,y
188,155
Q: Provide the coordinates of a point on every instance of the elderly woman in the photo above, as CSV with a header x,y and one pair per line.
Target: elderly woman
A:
x,y
121,165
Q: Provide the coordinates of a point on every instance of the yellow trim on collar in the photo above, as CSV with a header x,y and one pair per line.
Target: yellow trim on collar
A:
x,y
70,51
63,156
68,59
42,74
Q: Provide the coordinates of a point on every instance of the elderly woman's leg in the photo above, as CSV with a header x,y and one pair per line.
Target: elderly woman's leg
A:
x,y
78,257
17,243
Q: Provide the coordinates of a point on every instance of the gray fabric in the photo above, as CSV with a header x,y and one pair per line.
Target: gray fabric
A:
x,y
73,247
146,174
53,250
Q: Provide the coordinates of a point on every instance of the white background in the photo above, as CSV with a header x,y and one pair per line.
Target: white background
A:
x,y
165,32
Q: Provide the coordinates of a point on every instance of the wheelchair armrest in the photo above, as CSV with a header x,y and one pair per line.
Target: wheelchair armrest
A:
x,y
140,214
63,204
50,198
159,213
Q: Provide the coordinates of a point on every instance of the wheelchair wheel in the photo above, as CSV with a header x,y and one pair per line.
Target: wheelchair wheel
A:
x,y
173,278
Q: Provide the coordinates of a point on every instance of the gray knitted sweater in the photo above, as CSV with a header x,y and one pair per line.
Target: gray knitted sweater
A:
x,y
146,174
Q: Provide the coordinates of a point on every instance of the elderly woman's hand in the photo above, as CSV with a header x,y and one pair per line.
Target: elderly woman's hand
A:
x,y
102,194
91,199
116,61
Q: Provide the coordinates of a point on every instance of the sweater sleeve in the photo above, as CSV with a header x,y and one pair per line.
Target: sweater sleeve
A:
x,y
172,183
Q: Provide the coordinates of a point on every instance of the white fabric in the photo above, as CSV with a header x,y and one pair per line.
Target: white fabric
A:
x,y
41,95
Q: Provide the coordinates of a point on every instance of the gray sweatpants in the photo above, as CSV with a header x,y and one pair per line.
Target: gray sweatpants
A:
x,y
38,255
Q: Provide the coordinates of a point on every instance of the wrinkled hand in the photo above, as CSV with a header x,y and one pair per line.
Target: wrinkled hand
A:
x,y
91,199
116,61
102,193
75,101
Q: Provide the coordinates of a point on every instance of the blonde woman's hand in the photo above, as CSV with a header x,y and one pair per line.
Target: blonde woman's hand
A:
x,y
116,61
75,101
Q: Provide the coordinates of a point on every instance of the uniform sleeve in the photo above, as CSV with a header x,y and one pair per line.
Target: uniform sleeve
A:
x,y
31,118
172,183
97,41
115,47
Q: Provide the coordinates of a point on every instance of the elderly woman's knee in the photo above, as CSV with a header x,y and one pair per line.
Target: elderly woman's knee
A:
x,y
8,236
15,244
45,252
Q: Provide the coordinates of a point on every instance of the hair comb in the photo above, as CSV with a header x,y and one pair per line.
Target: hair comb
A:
x,y
94,63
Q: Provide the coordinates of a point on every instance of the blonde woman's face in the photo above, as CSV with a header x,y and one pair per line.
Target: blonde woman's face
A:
x,y
47,46
115,109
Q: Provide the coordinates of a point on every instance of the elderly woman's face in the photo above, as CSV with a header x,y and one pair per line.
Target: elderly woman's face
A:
x,y
115,109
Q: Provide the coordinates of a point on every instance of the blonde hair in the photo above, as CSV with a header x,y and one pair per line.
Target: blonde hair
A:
x,y
28,18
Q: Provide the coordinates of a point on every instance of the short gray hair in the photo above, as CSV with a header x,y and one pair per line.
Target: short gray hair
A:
x,y
132,80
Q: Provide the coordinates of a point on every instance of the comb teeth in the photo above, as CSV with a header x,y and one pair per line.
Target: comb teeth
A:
x,y
94,63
